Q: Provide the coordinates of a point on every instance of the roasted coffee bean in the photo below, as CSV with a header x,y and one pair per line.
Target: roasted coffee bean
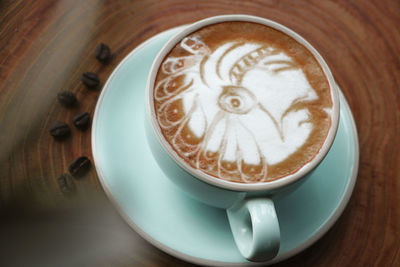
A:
x,y
103,53
67,99
90,79
60,130
79,166
81,120
66,184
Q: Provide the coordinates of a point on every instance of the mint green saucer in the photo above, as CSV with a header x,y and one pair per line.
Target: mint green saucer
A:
x,y
175,223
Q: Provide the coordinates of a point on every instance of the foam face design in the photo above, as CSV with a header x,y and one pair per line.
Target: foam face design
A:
x,y
236,109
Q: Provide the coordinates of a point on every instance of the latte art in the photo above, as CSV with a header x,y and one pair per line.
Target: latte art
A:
x,y
242,109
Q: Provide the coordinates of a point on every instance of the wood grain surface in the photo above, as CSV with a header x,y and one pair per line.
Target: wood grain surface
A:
x,y
45,46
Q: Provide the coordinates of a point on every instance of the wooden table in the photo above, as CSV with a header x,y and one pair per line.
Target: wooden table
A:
x,y
45,46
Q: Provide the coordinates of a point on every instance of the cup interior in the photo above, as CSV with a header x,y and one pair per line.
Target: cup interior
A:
x,y
261,186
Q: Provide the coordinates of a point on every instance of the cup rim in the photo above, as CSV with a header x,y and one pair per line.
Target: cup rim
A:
x,y
236,186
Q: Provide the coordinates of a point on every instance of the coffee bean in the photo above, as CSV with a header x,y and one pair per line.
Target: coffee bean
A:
x,y
103,53
81,120
79,166
60,130
67,99
90,79
66,184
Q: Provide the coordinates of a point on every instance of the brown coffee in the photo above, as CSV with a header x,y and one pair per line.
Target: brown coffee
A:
x,y
243,102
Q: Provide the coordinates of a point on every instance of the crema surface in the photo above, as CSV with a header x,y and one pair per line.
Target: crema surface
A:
x,y
242,102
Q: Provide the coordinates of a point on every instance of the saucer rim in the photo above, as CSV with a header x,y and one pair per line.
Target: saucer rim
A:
x,y
192,259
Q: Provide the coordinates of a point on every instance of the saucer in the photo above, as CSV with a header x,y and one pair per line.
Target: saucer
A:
x,y
175,223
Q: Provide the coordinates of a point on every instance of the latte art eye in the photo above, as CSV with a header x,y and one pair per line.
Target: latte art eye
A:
x,y
237,100
233,103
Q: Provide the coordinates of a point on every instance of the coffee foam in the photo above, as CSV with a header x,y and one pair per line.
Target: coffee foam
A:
x,y
234,110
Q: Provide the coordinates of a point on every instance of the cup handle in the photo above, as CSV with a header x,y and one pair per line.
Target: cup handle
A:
x,y
255,228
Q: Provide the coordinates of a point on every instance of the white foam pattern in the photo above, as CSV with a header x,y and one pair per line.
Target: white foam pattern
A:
x,y
237,99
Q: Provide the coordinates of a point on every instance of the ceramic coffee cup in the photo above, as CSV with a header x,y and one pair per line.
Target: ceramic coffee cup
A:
x,y
249,206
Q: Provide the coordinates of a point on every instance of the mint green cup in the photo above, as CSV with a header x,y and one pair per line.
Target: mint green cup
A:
x,y
250,207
